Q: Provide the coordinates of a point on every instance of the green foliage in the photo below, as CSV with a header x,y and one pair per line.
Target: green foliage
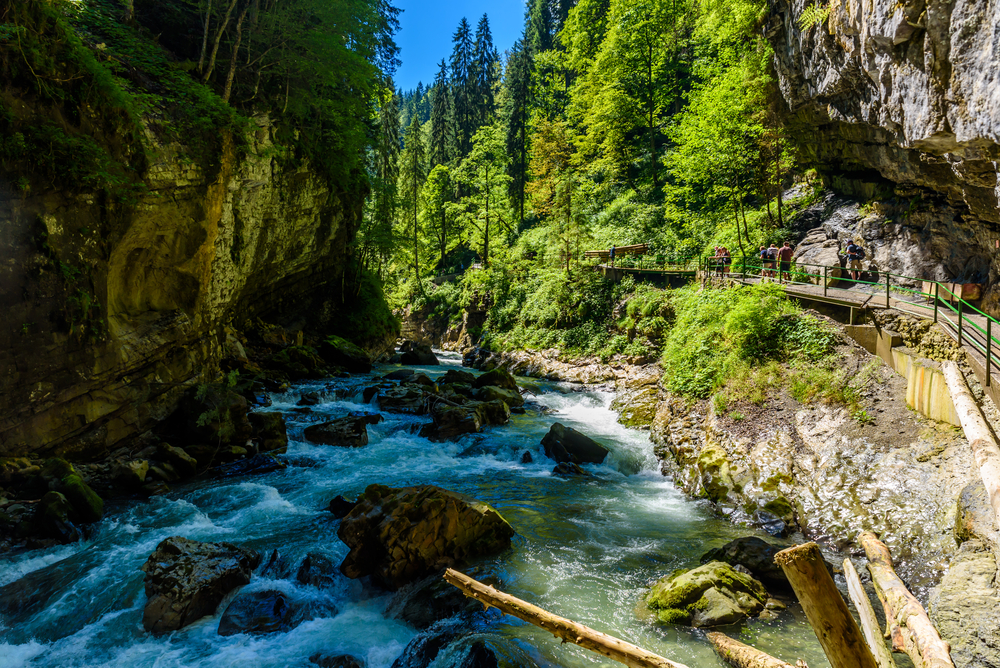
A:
x,y
814,15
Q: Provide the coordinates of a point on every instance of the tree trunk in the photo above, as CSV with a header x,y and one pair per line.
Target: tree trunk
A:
x,y
227,93
217,42
129,11
777,172
905,617
416,240
825,608
984,447
486,235
869,625
204,38
560,627
739,235
737,654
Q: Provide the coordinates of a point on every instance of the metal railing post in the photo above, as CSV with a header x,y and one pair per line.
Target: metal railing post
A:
x,y
888,277
936,288
825,281
989,350
960,323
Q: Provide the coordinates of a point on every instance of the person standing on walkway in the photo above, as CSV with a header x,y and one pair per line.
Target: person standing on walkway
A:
x,y
854,256
785,262
611,255
763,262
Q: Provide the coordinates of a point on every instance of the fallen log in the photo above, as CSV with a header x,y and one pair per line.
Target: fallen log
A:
x,y
825,608
869,624
984,446
737,654
906,618
560,627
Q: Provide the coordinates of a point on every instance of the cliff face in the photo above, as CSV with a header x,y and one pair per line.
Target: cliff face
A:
x,y
113,310
902,97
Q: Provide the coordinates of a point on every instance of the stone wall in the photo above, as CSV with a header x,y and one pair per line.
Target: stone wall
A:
x,y
113,310
903,98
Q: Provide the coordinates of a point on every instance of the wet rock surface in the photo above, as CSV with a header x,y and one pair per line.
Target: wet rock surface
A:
x,y
186,580
399,535
451,422
965,607
347,432
710,595
261,613
565,444
417,354
754,554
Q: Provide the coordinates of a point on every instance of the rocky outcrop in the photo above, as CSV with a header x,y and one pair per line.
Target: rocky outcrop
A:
x,y
901,99
113,312
754,554
339,352
451,422
186,580
398,536
347,432
565,444
709,595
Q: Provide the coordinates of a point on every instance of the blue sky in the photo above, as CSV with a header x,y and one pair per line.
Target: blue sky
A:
x,y
428,25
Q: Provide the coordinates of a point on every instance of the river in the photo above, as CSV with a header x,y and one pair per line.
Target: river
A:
x,y
586,549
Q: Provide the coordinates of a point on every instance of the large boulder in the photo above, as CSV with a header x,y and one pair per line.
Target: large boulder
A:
x,y
451,422
565,444
187,579
260,613
497,378
54,518
754,554
512,398
336,351
401,535
297,363
269,431
85,505
403,399
710,595
213,414
417,354
457,377
347,432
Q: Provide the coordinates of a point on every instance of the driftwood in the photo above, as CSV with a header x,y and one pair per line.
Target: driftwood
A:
x,y
906,618
567,630
984,446
737,654
825,608
869,624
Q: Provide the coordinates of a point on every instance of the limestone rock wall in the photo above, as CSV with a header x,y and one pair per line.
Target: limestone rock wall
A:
x,y
113,309
903,98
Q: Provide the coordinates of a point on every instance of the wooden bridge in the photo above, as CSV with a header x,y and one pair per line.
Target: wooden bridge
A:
x,y
636,260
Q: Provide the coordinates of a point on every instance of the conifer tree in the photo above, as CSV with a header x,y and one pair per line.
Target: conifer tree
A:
x,y
516,115
442,131
411,178
463,87
376,238
484,74
539,27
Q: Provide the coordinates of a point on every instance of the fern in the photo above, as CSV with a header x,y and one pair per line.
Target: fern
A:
x,y
814,15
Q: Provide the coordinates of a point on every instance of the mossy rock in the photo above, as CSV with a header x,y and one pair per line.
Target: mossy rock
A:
x,y
85,504
298,362
716,478
709,595
336,351
492,393
497,378
782,508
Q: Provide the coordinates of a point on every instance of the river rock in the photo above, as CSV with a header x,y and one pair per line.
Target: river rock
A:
x,y
308,399
316,570
54,517
399,374
965,607
401,535
260,613
269,431
636,395
512,398
183,464
569,469
451,422
297,363
418,354
335,661
347,432
336,351
187,579
709,595
216,415
565,444
403,399
85,505
256,465
754,554
457,377
430,600
497,378
341,507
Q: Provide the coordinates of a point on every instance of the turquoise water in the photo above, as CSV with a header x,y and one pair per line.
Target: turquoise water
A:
x,y
586,549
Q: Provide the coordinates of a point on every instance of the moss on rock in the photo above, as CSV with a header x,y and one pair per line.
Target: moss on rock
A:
x,y
709,595
716,478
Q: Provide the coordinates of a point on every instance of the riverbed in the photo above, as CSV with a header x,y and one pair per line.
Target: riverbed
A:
x,y
587,548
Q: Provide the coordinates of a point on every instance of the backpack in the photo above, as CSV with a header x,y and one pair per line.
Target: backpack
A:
x,y
772,253
860,253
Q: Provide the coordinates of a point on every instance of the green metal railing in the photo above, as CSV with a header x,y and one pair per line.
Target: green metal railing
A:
x,y
932,300
665,262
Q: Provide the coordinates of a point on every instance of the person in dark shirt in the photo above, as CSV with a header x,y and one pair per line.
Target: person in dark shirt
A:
x,y
854,255
785,262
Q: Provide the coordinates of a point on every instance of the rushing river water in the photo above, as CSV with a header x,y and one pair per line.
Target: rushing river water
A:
x,y
586,549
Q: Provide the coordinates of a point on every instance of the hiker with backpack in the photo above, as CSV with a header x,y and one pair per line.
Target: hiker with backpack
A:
x,y
855,254
763,262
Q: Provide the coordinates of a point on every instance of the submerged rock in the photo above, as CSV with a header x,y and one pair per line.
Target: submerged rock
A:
x,y
430,600
260,613
565,444
568,469
347,432
335,661
336,351
187,579
401,535
709,595
255,465
317,570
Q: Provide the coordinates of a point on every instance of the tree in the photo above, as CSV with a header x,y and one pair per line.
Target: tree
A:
x,y
516,115
411,177
377,241
463,86
484,72
539,27
442,132
555,185
437,196
484,172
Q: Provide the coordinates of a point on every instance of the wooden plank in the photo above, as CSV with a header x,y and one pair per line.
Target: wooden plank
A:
x,y
869,624
560,627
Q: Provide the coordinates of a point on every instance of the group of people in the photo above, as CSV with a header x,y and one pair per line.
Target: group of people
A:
x,y
721,261
774,260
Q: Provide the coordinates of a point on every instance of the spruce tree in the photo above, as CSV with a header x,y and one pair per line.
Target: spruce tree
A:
x,y
463,87
484,74
516,114
442,132
539,27
411,178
